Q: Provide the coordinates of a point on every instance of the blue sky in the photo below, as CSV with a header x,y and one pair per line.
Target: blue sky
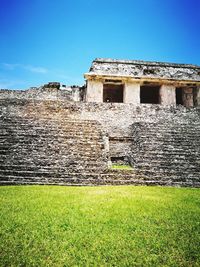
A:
x,y
48,40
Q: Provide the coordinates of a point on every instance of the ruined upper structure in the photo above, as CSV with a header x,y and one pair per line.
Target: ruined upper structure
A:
x,y
49,91
133,81
125,81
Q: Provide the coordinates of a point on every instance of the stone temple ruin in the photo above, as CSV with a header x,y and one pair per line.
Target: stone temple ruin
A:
x,y
142,114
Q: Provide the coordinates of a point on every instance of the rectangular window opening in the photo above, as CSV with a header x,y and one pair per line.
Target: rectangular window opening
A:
x,y
179,96
150,94
113,93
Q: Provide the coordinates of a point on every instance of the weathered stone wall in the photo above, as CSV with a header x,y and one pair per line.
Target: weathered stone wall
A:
x,y
116,118
94,91
42,93
28,120
167,95
132,92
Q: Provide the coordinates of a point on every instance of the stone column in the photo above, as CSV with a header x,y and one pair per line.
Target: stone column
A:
x,y
188,97
131,93
94,92
167,95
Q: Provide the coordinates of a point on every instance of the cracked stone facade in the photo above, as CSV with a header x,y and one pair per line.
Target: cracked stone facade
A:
x,y
145,69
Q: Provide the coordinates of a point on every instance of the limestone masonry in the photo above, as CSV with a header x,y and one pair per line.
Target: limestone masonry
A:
x,y
142,114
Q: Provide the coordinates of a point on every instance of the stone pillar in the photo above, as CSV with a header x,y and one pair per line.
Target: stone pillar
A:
x,y
94,92
76,94
132,93
167,95
188,97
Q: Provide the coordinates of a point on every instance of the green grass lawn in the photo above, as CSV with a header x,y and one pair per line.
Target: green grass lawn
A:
x,y
99,226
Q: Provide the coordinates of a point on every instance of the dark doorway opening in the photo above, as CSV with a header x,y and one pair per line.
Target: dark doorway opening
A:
x,y
117,159
179,96
113,93
150,94
195,99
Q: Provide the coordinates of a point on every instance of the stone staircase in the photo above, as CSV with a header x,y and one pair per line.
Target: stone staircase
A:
x,y
51,142
50,151
168,152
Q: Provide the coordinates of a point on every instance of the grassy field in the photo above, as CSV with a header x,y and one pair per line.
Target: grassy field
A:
x,y
99,226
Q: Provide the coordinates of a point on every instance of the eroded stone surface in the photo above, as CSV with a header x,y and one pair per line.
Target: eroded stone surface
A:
x,y
50,91
145,69
56,142
65,135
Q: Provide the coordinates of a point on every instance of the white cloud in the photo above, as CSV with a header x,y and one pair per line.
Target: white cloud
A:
x,y
9,66
31,68
10,79
35,69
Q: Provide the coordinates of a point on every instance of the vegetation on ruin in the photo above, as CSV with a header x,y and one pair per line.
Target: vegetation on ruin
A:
x,y
121,167
99,226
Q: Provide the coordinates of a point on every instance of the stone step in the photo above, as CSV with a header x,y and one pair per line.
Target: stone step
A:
x,y
46,170
158,135
59,135
94,181
55,169
168,166
168,161
187,151
15,119
31,149
168,129
57,164
179,173
167,141
82,124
